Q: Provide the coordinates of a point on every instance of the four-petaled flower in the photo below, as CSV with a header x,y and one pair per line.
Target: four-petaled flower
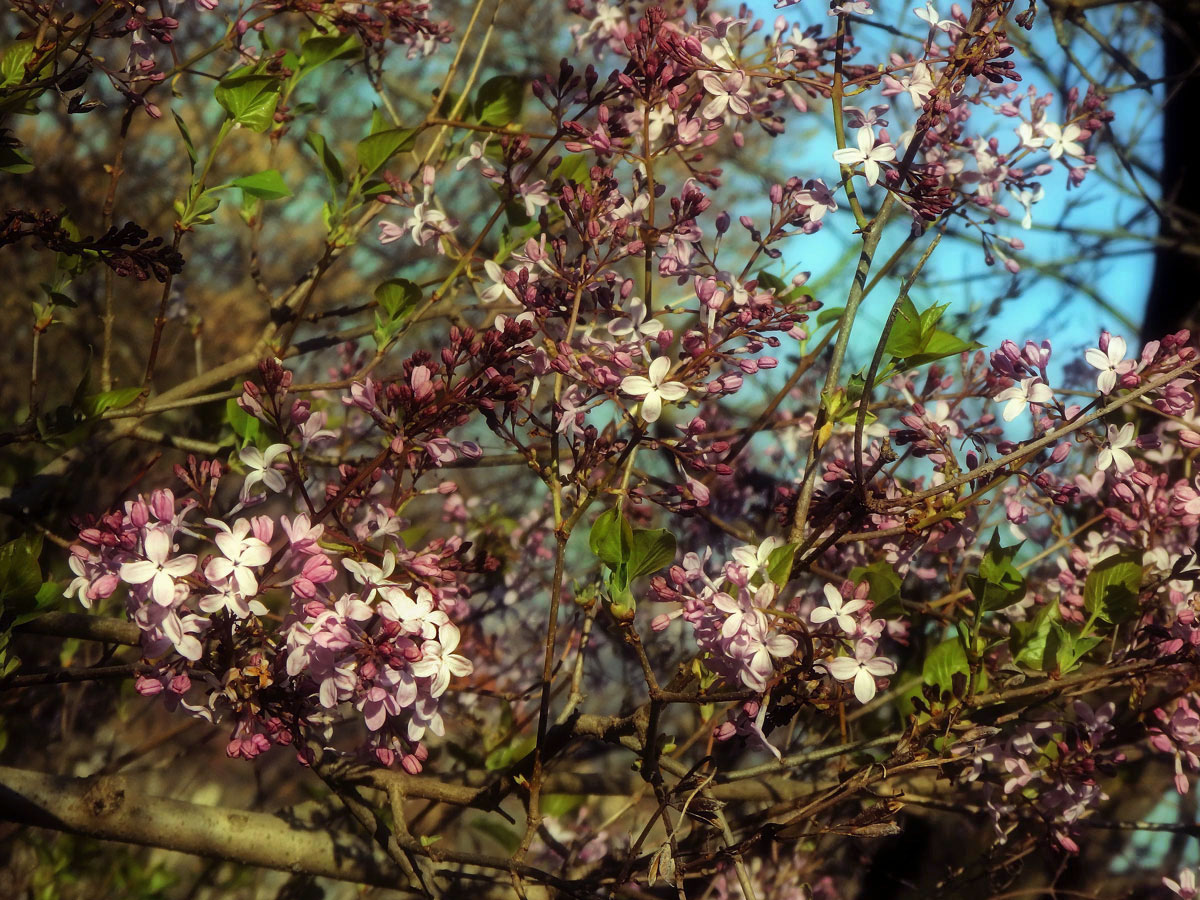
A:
x,y
1113,452
838,610
261,466
728,94
1063,139
242,551
863,669
1030,390
1108,362
158,568
439,661
653,388
869,155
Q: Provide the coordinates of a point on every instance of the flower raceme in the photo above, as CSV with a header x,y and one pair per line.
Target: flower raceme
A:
x,y
387,648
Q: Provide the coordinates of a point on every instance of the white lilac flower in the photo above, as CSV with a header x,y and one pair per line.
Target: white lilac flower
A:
x,y
1063,140
862,669
1108,362
866,153
654,388
1029,390
838,610
439,661
755,559
498,289
930,14
260,465
1027,198
634,322
241,553
1113,452
158,568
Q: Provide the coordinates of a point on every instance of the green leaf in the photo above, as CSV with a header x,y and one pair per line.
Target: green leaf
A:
x,y
13,160
779,564
930,318
244,425
939,345
507,754
1028,640
498,100
916,340
773,283
318,49
398,297
651,551
830,314
1065,648
187,140
905,338
945,661
561,804
999,582
20,574
1112,587
266,185
95,404
47,598
611,538
376,149
328,159
573,167
12,67
884,585
249,98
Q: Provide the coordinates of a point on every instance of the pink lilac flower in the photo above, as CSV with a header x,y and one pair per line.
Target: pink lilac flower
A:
x,y
747,611
654,388
1185,887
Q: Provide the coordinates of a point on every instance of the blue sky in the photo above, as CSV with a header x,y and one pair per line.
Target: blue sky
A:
x,y
1042,307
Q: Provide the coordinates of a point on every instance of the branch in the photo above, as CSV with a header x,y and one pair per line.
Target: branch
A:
x,y
111,808
85,627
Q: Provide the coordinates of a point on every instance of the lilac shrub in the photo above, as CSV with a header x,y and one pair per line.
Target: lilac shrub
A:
x,y
800,596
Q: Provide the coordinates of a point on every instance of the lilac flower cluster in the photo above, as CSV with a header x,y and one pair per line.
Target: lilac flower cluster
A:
x,y
1052,768
386,649
732,617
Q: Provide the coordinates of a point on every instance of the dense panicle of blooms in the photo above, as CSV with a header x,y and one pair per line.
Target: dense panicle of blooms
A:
x,y
974,548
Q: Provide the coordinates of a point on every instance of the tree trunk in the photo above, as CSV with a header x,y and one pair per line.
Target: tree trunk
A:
x,y
1174,300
